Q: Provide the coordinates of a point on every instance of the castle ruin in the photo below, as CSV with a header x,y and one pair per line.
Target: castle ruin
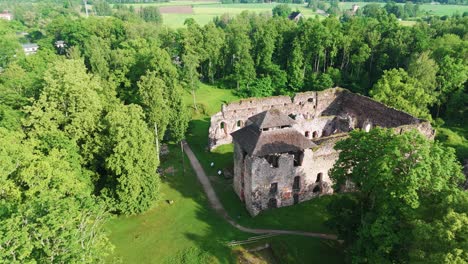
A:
x,y
283,146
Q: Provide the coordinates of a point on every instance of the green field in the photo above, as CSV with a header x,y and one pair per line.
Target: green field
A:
x,y
439,10
204,12
170,233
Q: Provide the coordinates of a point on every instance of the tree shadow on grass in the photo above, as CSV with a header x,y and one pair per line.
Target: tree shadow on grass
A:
x,y
212,239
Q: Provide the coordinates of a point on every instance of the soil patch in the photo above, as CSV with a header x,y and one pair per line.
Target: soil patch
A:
x,y
176,9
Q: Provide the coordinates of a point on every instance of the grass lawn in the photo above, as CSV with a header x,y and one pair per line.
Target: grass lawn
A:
x,y
169,232
455,136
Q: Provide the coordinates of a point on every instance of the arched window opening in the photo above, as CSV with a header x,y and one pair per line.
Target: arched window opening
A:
x,y
310,100
274,188
319,177
239,123
315,134
222,125
307,134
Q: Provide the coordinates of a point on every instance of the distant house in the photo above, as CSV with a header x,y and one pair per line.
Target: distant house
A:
x,y
296,16
30,48
354,8
60,44
6,15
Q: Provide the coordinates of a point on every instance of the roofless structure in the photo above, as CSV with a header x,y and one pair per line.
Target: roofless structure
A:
x,y
283,147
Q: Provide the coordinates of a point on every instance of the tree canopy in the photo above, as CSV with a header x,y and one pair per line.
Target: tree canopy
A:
x,y
405,185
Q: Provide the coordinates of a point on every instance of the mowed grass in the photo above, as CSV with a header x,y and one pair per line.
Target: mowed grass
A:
x,y
168,231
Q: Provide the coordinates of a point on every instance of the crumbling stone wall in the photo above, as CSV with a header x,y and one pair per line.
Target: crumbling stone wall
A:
x,y
259,176
325,117
331,111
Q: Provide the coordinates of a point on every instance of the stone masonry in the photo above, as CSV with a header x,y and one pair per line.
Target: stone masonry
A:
x,y
283,146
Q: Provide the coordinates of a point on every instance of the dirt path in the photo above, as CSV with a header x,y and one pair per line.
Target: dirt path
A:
x,y
218,207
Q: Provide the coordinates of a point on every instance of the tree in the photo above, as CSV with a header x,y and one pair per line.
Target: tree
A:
x,y
151,14
282,10
69,101
102,8
296,67
153,94
47,212
214,38
424,69
403,92
238,48
130,161
451,78
400,181
180,116
192,55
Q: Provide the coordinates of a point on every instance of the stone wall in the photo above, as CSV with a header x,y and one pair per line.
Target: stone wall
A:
x,y
325,117
259,175
331,111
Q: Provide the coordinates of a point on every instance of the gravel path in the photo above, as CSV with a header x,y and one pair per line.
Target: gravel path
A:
x,y
218,207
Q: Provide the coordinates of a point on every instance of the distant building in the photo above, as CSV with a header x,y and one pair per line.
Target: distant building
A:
x,y
60,44
296,16
6,15
30,48
354,8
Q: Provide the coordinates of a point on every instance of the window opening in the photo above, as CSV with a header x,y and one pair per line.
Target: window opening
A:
x,y
319,177
272,203
297,183
274,188
273,160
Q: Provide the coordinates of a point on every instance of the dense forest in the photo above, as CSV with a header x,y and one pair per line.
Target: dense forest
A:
x,y
80,123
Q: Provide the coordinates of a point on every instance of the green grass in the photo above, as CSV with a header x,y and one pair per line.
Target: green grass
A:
x,y
166,232
455,136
